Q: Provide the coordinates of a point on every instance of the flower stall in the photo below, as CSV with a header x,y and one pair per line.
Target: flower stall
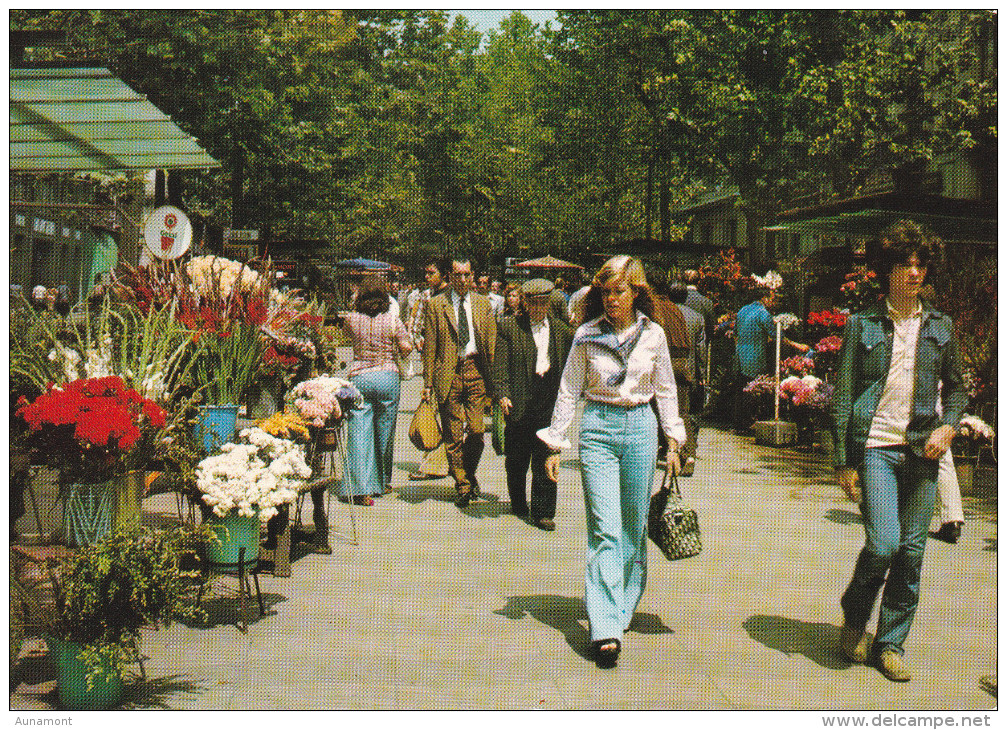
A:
x,y
150,378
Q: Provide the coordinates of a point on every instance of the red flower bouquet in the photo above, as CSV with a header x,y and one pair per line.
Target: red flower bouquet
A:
x,y
834,319
93,428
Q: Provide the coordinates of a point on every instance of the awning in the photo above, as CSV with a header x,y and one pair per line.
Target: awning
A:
x,y
359,264
80,119
867,223
546,262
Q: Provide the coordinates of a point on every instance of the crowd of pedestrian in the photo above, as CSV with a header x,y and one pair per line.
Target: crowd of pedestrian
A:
x,y
637,350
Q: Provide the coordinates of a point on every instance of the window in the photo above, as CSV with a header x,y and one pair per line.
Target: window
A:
x,y
732,233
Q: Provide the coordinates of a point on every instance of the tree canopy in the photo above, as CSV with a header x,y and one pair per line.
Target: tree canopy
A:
x,y
401,133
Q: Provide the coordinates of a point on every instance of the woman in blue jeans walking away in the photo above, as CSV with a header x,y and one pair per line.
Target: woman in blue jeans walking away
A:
x,y
378,335
619,362
889,438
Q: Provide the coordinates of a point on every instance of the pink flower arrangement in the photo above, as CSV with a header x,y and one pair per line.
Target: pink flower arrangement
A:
x,y
832,343
796,391
798,365
315,403
318,400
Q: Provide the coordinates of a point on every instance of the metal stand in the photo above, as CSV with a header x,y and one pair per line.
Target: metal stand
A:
x,y
327,472
244,589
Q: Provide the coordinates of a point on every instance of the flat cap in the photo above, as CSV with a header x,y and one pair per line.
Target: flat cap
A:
x,y
537,287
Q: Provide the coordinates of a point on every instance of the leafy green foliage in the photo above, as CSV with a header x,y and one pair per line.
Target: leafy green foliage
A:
x,y
394,134
127,580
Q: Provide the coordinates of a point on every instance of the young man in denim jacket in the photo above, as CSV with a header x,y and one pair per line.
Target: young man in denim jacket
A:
x,y
889,437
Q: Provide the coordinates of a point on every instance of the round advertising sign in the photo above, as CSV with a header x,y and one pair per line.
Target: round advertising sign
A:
x,y
168,233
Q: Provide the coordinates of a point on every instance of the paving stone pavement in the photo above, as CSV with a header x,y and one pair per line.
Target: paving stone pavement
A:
x,y
441,608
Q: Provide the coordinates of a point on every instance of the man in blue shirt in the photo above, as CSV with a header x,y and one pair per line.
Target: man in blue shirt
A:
x,y
755,333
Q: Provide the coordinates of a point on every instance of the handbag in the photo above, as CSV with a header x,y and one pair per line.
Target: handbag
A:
x,y
673,526
498,429
424,431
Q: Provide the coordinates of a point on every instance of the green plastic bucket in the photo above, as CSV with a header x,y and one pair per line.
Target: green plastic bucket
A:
x,y
71,679
234,532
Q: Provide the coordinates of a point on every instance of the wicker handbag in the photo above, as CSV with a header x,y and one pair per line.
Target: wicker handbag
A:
x,y
673,526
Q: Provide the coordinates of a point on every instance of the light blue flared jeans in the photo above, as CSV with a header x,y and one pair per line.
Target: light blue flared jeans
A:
x,y
370,434
618,451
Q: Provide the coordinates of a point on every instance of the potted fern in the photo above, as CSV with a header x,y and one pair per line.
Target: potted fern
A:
x,y
102,597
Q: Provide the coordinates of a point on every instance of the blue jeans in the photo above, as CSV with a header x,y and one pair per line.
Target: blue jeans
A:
x,y
618,451
370,434
898,500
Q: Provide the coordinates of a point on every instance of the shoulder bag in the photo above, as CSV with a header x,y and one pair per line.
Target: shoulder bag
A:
x,y
673,526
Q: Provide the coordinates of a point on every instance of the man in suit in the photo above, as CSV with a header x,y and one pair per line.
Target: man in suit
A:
x,y
679,324
531,351
459,336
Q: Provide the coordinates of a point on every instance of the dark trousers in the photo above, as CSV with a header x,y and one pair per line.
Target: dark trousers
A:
x,y
688,449
522,447
463,417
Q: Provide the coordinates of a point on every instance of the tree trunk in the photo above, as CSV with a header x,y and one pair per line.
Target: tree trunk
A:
x,y
237,190
160,182
665,203
648,226
175,185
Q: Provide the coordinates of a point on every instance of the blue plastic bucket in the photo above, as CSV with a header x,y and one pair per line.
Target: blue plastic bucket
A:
x,y
215,426
234,532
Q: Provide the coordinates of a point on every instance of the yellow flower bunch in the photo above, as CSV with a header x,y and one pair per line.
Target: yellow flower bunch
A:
x,y
286,424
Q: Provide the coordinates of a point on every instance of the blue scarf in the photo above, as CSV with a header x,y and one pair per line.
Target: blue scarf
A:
x,y
607,340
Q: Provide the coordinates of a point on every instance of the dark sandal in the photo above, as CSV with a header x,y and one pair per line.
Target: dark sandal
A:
x,y
606,657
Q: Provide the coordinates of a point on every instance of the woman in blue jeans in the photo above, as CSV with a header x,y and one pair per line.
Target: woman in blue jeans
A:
x,y
379,336
619,362
897,356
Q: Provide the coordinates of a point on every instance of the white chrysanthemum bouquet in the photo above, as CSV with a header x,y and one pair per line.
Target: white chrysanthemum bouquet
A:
x,y
257,474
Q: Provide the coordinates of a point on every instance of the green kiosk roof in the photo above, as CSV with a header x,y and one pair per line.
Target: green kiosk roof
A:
x,y
80,119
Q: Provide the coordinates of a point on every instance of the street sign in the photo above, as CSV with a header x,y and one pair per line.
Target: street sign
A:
x,y
241,234
167,233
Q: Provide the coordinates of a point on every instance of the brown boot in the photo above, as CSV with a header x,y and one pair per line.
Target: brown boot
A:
x,y
854,644
893,665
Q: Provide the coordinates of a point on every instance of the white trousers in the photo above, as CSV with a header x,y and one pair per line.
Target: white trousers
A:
x,y
949,495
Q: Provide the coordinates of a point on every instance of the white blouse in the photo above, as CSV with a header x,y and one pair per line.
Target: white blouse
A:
x,y
597,372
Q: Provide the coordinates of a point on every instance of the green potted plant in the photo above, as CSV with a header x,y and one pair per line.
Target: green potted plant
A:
x,y
102,596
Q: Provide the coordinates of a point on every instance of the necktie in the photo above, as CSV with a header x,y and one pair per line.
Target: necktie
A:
x,y
463,327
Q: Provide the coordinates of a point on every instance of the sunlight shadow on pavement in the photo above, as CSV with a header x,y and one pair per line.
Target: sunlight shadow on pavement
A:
x,y
816,640
568,616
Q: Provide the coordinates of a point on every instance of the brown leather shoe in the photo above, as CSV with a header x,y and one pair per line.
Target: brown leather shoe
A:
x,y
545,524
893,666
855,644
